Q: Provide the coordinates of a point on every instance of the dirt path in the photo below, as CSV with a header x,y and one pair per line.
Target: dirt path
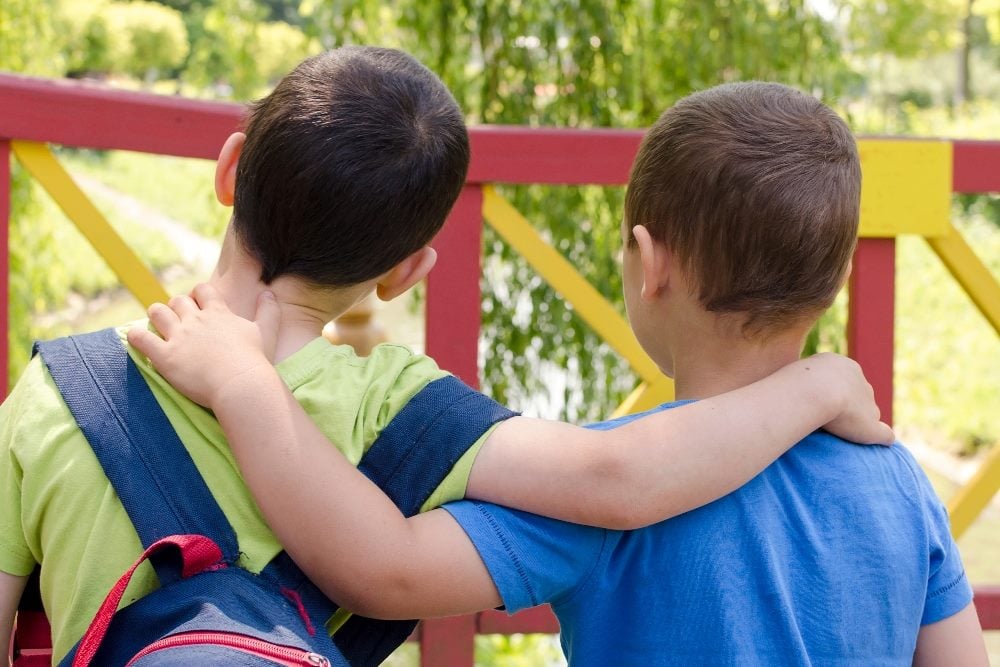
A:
x,y
198,252
198,256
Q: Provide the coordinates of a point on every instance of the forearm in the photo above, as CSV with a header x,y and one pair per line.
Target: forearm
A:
x,y
340,528
11,587
318,505
656,467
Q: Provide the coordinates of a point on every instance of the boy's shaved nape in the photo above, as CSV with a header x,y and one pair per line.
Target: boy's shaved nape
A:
x,y
756,189
350,165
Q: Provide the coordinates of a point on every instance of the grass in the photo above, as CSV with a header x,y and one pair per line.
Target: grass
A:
x,y
947,381
182,188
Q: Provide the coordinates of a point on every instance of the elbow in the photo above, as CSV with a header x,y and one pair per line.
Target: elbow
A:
x,y
614,500
380,593
627,514
627,496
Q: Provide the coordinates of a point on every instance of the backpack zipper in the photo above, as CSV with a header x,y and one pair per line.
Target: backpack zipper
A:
x,y
282,655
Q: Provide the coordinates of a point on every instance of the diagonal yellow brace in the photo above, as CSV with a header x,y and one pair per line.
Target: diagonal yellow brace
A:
x,y
645,397
973,498
982,287
595,310
970,272
135,276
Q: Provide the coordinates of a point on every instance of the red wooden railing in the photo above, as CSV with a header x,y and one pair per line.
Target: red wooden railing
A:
x,y
80,115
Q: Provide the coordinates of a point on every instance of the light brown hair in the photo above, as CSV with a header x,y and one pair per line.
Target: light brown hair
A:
x,y
756,189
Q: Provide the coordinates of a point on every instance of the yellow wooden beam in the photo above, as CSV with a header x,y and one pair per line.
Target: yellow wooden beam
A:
x,y
645,397
134,274
906,187
973,498
970,272
588,303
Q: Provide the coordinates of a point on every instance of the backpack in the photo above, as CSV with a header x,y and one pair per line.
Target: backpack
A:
x,y
209,610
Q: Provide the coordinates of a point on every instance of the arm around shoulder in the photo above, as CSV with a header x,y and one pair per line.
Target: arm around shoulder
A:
x,y
672,461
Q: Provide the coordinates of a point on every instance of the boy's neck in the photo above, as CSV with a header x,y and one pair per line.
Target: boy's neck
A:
x,y
304,309
708,363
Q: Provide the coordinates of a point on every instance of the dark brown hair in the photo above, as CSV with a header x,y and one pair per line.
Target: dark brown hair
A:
x,y
756,188
350,165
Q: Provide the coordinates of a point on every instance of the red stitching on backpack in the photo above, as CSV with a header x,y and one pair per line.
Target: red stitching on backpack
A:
x,y
296,600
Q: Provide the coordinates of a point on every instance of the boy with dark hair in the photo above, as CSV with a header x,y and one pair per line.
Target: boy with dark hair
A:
x,y
344,174
740,222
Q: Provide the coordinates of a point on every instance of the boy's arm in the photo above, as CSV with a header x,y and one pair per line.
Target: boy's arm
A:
x,y
676,460
957,640
11,587
647,471
356,545
360,536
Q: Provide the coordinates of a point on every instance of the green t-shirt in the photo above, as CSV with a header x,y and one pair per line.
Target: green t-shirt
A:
x,y
58,509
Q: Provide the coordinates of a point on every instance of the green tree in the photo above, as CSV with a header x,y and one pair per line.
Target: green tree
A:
x,y
90,45
156,38
145,40
281,47
224,50
583,63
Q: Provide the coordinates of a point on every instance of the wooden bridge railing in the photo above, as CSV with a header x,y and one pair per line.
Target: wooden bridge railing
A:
x,y
908,189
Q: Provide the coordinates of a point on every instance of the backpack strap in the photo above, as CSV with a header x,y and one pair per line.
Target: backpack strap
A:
x,y
409,460
146,463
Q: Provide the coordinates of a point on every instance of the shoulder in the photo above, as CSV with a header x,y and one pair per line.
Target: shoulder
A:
x,y
532,559
34,402
390,368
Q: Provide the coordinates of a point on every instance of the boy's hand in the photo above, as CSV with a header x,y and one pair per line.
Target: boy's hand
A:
x,y
205,346
858,419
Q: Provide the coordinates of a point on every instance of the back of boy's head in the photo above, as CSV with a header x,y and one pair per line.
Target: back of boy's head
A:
x,y
350,165
756,189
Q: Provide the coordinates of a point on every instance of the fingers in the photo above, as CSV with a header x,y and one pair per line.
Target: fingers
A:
x,y
888,436
164,319
147,342
183,305
268,320
207,296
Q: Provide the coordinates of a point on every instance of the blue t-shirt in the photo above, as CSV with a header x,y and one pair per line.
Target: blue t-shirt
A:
x,y
835,554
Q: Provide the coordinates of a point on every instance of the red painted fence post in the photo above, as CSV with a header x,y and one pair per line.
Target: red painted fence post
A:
x,y
871,316
5,209
453,319
453,296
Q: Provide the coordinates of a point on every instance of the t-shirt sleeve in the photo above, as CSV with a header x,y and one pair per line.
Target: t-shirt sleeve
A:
x,y
354,399
532,559
948,589
15,555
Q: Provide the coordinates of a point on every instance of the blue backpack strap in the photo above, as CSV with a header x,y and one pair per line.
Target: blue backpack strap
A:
x,y
146,463
408,461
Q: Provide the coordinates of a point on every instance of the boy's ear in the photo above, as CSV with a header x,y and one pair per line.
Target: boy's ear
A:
x,y
847,272
225,168
406,274
655,261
